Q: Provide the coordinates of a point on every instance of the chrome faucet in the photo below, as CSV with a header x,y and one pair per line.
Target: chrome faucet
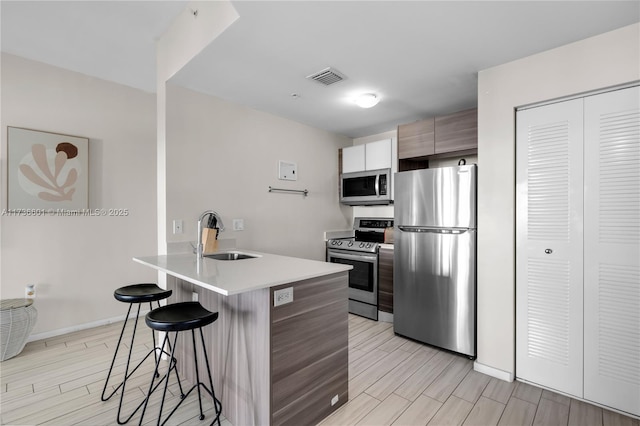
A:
x,y
200,246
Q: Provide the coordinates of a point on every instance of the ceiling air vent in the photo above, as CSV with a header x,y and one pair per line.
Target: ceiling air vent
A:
x,y
327,76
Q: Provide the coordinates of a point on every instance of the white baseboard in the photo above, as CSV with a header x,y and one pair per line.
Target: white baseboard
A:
x,y
79,327
493,372
385,317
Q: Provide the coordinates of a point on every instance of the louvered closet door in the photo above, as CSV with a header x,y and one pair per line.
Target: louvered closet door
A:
x,y
612,250
549,200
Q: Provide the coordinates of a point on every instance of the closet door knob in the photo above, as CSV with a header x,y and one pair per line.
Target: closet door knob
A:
x,y
548,251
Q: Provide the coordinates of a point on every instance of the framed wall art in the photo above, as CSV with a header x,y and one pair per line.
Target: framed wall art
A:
x,y
47,170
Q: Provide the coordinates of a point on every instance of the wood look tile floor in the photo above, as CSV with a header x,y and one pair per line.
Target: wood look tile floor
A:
x,y
392,381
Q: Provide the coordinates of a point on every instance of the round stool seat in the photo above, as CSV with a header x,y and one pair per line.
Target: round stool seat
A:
x,y
140,293
180,317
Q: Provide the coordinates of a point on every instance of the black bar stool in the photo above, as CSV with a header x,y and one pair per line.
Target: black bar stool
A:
x,y
135,294
175,318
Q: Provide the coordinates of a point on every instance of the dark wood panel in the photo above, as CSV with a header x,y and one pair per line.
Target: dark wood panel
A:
x,y
289,336
406,164
416,139
385,280
309,351
310,407
309,295
456,154
305,346
457,131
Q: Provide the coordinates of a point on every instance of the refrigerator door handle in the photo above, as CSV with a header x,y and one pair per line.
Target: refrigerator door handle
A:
x,y
433,230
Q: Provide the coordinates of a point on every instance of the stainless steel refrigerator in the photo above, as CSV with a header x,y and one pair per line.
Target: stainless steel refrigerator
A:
x,y
434,274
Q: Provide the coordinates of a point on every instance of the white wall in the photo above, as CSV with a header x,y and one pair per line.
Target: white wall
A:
x,y
223,156
187,36
377,137
602,61
77,262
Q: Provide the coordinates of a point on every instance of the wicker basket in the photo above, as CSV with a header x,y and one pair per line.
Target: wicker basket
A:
x,y
17,318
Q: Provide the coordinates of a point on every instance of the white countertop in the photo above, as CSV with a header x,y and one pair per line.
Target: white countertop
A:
x,y
229,277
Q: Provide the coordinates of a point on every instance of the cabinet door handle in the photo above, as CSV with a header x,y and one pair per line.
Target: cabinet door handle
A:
x,y
548,251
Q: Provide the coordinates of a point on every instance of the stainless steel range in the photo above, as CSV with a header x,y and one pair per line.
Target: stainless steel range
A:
x,y
361,252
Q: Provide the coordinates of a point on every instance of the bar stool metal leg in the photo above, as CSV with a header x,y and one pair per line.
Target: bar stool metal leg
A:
x,y
128,373
182,317
195,361
216,402
137,293
115,355
165,378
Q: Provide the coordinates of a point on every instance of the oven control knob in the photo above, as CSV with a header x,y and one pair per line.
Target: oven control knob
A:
x,y
368,245
350,243
333,243
339,243
361,245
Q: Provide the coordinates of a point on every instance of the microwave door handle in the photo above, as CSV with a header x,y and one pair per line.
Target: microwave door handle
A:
x,y
377,185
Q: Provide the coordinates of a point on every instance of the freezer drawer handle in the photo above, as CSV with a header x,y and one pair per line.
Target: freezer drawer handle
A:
x,y
548,251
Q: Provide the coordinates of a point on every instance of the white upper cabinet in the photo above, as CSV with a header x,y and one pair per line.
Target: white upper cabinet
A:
x,y
353,159
370,156
378,155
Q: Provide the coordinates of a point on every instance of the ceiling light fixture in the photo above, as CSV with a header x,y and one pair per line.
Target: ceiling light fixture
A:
x,y
367,100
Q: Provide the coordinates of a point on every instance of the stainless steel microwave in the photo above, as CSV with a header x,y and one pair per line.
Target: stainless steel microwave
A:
x,y
371,187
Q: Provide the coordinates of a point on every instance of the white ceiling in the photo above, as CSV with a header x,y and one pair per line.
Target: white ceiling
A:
x,y
421,57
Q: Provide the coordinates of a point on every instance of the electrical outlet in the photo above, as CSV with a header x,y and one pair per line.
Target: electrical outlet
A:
x,y
238,224
194,296
282,297
178,226
334,400
30,291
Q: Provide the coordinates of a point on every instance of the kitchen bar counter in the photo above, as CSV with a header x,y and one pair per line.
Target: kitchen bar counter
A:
x,y
229,277
285,364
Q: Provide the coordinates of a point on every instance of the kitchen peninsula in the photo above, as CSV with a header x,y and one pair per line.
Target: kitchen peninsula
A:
x,y
284,364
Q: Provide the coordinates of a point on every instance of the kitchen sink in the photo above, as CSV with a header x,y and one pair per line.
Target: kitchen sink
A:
x,y
231,255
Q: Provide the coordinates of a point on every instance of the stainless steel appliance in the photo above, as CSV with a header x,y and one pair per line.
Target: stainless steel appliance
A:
x,y
372,187
361,252
434,275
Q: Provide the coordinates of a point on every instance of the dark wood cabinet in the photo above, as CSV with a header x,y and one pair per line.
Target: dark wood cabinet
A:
x,y
456,132
385,280
416,139
439,137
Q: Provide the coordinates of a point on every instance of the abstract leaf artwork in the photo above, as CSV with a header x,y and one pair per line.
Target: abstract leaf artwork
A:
x,y
47,170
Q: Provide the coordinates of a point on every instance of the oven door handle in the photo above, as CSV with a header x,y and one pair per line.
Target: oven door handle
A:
x,y
359,257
